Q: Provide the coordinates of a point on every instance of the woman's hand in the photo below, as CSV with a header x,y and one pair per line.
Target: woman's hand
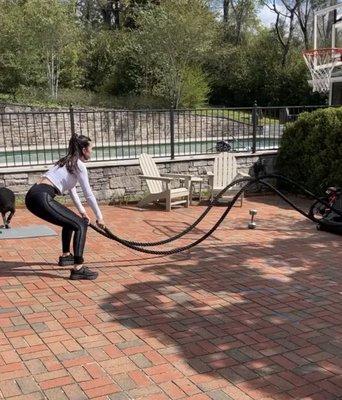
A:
x,y
100,223
85,216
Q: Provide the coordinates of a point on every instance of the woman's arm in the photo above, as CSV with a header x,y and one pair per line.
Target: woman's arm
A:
x,y
88,193
76,200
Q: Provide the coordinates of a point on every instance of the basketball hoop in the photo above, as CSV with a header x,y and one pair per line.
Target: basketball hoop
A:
x,y
321,63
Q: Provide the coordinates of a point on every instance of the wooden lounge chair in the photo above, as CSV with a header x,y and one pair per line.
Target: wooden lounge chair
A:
x,y
225,172
159,186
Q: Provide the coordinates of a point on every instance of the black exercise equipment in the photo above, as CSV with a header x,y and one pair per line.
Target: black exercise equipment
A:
x,y
334,226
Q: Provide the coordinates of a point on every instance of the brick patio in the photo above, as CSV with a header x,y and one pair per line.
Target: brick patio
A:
x,y
246,315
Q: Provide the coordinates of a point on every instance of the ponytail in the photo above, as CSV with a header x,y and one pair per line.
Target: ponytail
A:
x,y
76,144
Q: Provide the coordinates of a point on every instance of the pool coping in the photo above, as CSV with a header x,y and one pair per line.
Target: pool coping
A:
x,y
133,162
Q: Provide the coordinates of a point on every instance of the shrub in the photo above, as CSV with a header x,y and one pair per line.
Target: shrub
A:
x,y
194,89
40,97
311,149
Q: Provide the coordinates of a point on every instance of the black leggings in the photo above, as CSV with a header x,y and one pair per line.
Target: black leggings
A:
x,y
40,201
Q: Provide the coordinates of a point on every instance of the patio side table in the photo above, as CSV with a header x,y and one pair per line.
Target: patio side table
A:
x,y
193,181
129,191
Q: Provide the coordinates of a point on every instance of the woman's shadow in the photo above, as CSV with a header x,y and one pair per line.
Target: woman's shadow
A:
x,y
22,268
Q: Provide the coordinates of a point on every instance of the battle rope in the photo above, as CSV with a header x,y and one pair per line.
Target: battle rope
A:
x,y
306,191
213,202
250,181
106,232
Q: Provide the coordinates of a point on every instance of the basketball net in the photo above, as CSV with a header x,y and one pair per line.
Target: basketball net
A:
x,y
321,64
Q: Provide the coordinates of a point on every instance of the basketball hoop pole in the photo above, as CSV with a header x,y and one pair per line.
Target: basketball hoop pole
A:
x,y
315,31
330,94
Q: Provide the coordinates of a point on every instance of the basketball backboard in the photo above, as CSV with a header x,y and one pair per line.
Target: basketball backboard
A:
x,y
324,60
337,34
328,27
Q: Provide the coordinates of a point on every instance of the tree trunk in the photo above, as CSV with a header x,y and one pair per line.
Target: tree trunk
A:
x,y
225,10
107,12
52,66
117,14
288,41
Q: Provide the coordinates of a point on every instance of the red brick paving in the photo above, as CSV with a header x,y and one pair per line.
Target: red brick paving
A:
x,y
246,315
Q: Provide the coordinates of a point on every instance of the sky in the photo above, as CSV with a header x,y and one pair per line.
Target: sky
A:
x,y
266,16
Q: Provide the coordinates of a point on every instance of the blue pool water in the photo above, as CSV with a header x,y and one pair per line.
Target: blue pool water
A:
x,y
119,152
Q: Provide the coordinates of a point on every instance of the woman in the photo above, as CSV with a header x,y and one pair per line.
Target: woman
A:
x,y
62,177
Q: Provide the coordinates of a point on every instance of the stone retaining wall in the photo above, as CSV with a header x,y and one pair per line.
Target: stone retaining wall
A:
x,y
22,126
109,181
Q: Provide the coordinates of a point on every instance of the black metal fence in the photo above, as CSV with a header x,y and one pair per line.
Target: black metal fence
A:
x,y
34,138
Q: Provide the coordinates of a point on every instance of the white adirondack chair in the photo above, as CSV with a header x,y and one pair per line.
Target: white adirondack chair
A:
x,y
225,172
159,186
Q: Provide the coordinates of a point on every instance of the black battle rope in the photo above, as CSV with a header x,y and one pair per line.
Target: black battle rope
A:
x,y
320,200
106,232
213,202
288,201
136,245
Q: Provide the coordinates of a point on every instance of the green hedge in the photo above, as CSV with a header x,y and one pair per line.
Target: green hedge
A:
x,y
311,149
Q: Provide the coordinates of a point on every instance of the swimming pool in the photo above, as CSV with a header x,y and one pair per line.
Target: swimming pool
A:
x,y
121,151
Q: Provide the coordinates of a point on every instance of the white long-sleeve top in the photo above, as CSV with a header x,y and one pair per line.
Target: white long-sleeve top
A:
x,y
66,182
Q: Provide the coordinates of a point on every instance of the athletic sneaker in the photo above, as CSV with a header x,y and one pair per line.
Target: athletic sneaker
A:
x,y
83,273
66,260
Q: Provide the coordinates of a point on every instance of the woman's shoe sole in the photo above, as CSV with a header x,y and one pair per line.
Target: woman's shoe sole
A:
x,y
83,278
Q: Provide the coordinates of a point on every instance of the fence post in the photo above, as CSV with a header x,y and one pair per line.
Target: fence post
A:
x,y
255,121
172,132
72,120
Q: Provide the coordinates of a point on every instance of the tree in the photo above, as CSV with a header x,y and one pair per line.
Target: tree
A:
x,y
111,14
304,14
10,74
242,17
41,43
254,71
271,82
56,39
110,64
238,16
225,10
100,12
172,40
296,15
285,11
177,53
221,7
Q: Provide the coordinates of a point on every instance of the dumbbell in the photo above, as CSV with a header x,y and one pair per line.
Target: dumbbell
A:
x,y
252,224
